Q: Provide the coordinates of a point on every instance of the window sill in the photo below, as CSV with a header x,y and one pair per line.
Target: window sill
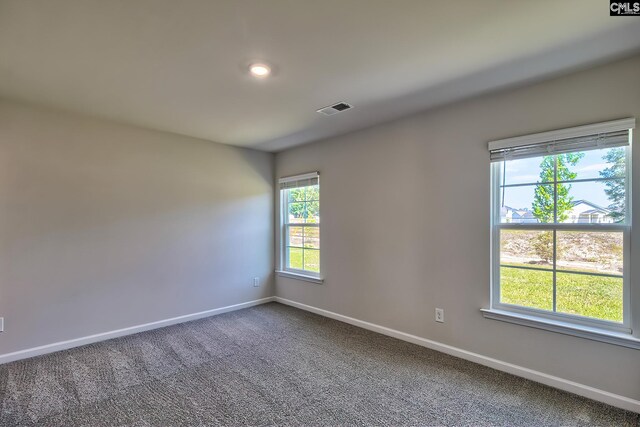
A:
x,y
615,338
298,276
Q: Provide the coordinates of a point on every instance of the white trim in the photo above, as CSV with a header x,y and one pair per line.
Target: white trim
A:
x,y
559,318
306,278
562,226
520,371
76,342
595,334
298,177
574,132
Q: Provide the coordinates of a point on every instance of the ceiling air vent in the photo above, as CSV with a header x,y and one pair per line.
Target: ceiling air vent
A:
x,y
335,109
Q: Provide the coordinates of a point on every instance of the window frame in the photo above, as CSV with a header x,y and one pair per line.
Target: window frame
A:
x,y
284,269
545,316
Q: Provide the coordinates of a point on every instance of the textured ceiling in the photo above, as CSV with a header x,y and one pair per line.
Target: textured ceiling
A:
x,y
180,66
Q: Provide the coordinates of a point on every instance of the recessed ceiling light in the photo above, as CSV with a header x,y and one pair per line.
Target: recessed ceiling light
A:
x,y
259,70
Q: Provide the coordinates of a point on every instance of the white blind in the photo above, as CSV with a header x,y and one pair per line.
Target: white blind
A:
x,y
305,180
582,138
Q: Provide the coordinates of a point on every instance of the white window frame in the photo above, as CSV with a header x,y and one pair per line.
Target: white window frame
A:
x,y
602,330
284,269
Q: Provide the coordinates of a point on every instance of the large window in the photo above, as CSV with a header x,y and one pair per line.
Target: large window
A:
x,y
561,225
300,197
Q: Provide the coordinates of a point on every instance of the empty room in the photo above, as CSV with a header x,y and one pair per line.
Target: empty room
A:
x,y
319,213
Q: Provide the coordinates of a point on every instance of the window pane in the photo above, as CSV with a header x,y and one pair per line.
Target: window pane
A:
x,y
590,251
522,171
312,260
296,236
530,248
606,163
294,256
527,288
590,296
312,193
594,202
312,237
296,194
527,204
313,212
296,212
304,212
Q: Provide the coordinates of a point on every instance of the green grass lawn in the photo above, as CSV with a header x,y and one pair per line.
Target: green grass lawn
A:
x,y
591,296
304,259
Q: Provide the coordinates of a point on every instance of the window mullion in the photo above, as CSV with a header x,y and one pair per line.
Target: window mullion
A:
x,y
564,226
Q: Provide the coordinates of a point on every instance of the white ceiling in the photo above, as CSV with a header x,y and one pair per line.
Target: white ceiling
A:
x,y
180,66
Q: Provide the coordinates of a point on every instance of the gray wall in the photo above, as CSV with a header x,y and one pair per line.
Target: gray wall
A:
x,y
405,222
105,226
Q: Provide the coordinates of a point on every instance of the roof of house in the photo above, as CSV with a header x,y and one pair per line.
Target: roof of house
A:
x,y
593,205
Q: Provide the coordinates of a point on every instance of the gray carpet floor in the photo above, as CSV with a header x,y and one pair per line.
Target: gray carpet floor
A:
x,y
276,365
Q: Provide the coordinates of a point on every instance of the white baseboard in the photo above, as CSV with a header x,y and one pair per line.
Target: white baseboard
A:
x,y
540,377
76,342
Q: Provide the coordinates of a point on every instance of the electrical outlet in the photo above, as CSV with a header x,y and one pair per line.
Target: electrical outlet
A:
x,y
439,315
1,324
256,282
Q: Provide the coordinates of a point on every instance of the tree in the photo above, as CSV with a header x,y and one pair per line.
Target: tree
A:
x,y
615,190
313,203
296,209
303,202
543,200
543,245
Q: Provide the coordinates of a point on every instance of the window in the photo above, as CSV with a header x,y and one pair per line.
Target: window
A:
x,y
561,226
300,218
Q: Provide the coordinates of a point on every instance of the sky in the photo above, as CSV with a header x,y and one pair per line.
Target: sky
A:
x,y
527,171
